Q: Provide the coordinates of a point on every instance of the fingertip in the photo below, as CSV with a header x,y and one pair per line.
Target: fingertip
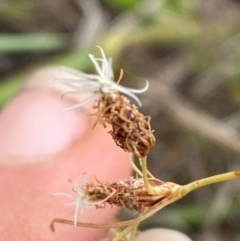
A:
x,y
32,125
162,234
32,122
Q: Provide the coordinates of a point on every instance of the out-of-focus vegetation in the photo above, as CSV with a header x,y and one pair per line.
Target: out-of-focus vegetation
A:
x,y
190,53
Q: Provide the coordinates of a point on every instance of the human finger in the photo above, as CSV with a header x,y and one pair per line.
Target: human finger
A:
x,y
42,149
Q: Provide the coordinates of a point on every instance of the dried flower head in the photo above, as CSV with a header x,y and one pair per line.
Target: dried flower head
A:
x,y
131,130
130,193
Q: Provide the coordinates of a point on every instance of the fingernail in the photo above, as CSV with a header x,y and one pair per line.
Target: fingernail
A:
x,y
33,124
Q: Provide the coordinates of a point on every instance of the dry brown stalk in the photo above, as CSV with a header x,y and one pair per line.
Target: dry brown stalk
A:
x,y
193,118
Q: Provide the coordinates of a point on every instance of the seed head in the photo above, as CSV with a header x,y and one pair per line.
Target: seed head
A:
x,y
130,193
131,130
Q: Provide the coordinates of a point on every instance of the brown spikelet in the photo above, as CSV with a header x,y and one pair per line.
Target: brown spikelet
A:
x,y
130,193
131,130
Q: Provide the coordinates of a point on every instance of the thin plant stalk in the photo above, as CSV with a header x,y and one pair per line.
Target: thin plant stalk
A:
x,y
124,232
145,176
209,180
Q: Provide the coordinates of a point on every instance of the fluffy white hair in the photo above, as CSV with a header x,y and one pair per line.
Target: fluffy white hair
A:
x,y
97,84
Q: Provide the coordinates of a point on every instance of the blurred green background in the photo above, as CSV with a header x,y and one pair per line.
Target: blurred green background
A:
x,y
188,50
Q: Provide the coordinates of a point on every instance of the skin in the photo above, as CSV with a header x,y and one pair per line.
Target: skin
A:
x,y
40,149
